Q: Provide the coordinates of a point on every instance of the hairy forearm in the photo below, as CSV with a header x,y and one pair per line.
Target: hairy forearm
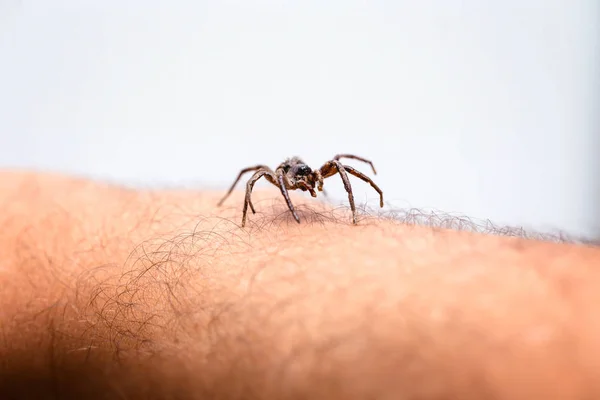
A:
x,y
160,292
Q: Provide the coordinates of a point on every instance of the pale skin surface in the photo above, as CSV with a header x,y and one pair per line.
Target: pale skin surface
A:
x,y
116,293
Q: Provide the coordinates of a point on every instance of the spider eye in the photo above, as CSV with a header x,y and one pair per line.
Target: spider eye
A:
x,y
304,170
286,168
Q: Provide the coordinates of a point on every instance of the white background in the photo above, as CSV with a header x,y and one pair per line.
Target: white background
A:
x,y
486,108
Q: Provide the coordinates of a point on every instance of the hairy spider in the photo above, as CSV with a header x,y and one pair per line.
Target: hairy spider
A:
x,y
294,174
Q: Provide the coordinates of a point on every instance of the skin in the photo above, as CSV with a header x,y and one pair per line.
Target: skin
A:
x,y
109,292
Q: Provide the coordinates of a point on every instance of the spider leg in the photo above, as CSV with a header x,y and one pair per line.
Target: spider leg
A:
x,y
249,186
365,178
339,156
284,192
242,172
329,169
270,176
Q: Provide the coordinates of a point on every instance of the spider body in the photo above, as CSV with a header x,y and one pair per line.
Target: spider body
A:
x,y
293,174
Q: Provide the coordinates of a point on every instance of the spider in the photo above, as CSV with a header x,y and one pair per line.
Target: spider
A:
x,y
294,174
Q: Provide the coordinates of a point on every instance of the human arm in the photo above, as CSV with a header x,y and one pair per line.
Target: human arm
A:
x,y
110,290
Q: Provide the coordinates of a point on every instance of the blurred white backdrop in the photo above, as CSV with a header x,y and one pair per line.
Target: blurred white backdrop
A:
x,y
489,109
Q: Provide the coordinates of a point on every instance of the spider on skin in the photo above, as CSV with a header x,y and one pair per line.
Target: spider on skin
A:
x,y
294,174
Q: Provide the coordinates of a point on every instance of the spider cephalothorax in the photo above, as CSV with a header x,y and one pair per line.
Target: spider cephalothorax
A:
x,y
294,174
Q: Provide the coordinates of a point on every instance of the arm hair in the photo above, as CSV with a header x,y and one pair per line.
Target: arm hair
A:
x,y
155,294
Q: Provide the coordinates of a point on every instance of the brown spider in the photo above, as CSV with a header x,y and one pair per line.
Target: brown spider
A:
x,y
294,174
